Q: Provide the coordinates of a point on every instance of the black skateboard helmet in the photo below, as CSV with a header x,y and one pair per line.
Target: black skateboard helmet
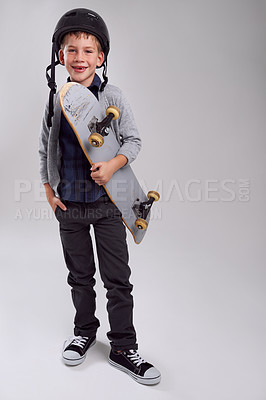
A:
x,y
78,19
84,20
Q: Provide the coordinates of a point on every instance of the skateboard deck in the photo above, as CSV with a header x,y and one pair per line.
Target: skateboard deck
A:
x,y
84,113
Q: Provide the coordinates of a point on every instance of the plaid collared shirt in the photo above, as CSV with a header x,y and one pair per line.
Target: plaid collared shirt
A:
x,y
76,183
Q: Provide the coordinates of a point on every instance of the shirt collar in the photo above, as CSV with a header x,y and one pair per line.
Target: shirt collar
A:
x,y
96,82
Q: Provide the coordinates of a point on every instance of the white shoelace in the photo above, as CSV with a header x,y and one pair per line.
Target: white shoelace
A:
x,y
80,341
135,358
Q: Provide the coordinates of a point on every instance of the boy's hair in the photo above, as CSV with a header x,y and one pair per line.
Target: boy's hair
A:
x,y
78,35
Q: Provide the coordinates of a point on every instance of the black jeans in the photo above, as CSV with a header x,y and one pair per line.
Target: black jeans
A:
x,y
110,236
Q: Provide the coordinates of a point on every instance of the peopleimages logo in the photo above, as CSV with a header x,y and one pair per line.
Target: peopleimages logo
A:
x,y
193,190
173,191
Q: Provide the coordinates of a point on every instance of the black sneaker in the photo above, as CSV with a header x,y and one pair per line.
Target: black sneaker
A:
x,y
75,349
130,362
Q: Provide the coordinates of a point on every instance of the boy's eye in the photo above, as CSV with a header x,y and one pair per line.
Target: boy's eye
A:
x,y
71,50
88,51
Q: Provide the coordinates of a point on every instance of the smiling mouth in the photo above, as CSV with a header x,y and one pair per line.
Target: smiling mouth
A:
x,y
79,69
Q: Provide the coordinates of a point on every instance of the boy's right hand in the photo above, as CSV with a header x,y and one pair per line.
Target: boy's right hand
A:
x,y
56,202
52,199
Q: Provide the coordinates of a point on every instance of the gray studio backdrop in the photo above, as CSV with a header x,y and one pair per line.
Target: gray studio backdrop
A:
x,y
194,74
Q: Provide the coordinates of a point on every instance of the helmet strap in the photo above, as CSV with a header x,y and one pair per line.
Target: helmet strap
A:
x,y
52,85
105,79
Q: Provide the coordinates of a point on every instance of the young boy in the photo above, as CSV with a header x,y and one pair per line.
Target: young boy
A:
x,y
74,191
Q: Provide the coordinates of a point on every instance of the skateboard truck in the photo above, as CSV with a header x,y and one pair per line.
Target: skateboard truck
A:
x,y
96,139
142,209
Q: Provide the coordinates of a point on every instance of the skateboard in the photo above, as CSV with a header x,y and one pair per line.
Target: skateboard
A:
x,y
92,127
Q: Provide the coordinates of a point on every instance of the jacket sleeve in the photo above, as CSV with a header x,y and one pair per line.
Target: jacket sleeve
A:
x,y
129,135
125,127
43,144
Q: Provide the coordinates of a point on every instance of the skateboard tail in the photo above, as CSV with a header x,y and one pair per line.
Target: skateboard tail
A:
x,y
131,231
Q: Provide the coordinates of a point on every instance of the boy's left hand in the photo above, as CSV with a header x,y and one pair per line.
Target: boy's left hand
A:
x,y
102,172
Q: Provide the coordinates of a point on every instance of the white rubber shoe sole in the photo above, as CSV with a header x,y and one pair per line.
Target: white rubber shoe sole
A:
x,y
72,358
151,377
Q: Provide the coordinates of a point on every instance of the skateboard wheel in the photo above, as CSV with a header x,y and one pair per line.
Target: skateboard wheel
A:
x,y
96,140
154,195
113,110
141,223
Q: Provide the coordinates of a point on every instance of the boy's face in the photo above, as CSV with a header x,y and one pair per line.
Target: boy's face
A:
x,y
81,57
